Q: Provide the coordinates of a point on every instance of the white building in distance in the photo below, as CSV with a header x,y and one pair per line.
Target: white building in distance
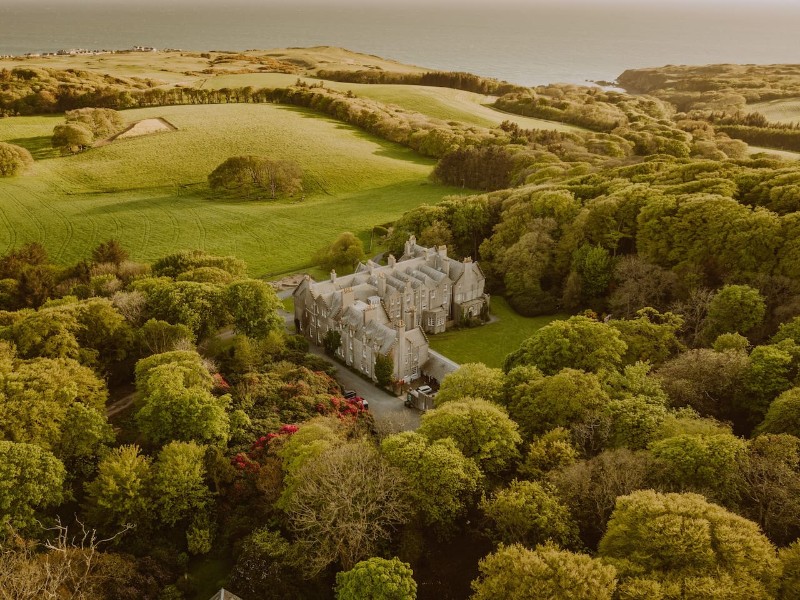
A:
x,y
389,309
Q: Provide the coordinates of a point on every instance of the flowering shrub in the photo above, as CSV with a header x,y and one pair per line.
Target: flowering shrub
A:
x,y
344,408
248,462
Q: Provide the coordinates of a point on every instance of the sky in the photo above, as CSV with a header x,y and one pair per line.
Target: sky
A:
x,y
378,3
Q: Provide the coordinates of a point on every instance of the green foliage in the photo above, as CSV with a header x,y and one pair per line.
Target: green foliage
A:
x,y
253,306
176,401
731,341
548,452
561,400
199,306
102,122
384,369
441,480
683,540
377,579
635,421
72,138
56,404
650,337
30,478
481,430
176,264
790,577
518,573
257,175
529,513
771,485
783,415
593,266
578,343
346,504
110,251
343,254
13,159
119,493
158,337
177,484
705,380
199,536
768,376
309,442
332,341
734,309
265,568
474,380
706,464
590,487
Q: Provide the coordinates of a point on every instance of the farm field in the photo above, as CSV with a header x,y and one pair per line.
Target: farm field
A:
x,y
779,111
150,192
440,103
490,343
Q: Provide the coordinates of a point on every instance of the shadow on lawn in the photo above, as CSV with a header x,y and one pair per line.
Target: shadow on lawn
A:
x,y
40,147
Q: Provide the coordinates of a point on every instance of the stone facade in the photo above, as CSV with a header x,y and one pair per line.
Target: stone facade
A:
x,y
389,309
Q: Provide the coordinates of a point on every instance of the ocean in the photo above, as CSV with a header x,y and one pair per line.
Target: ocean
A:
x,y
528,45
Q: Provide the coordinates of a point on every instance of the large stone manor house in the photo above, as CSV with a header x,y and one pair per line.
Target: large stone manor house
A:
x,y
390,309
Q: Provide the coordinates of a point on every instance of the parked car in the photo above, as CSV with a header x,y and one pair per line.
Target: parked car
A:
x,y
425,389
349,394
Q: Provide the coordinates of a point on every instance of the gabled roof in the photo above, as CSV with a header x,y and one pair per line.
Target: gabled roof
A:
x,y
224,594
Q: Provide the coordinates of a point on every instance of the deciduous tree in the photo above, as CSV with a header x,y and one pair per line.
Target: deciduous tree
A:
x,y
474,380
346,504
377,579
517,573
683,541
481,430
441,480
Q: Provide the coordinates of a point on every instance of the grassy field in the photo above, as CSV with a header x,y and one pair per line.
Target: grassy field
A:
x,y
150,192
786,154
440,103
779,111
189,67
490,343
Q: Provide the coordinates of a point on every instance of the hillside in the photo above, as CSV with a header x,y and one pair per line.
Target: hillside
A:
x,y
150,192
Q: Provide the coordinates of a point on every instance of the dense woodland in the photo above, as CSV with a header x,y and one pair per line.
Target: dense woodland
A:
x,y
646,448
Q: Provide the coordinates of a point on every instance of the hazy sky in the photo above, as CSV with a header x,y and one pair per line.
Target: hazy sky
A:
x,y
378,3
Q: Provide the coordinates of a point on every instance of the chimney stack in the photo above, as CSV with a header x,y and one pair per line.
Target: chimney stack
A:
x,y
333,275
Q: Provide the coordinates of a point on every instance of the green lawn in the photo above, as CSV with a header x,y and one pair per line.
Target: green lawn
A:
x,y
150,192
490,343
437,102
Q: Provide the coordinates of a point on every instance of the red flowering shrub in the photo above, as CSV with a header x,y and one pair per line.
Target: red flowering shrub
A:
x,y
341,407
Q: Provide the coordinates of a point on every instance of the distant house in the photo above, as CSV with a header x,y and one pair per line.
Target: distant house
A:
x,y
389,309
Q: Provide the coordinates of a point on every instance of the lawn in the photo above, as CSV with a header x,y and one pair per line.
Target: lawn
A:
x,y
440,103
490,343
151,193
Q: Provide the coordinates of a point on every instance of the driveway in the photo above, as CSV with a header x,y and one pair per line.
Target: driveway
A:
x,y
390,413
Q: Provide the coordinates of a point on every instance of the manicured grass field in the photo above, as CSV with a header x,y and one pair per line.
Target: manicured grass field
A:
x,y
150,192
440,103
490,343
